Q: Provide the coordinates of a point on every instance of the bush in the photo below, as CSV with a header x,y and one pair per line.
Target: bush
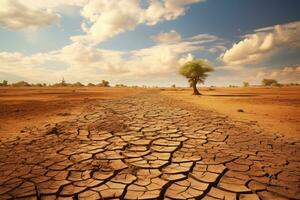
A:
x,y
270,82
21,84
4,83
38,85
246,84
104,83
120,85
91,85
77,84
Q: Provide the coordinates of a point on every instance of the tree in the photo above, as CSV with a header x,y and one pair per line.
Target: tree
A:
x,y
246,84
196,72
269,82
4,83
91,85
104,83
173,86
63,82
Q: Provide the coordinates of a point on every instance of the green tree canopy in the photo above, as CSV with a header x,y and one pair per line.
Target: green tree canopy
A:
x,y
196,72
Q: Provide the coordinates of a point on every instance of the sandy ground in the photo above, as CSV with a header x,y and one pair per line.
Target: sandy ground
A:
x,y
276,110
28,107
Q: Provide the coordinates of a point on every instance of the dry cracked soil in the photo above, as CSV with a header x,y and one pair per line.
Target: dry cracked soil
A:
x,y
149,147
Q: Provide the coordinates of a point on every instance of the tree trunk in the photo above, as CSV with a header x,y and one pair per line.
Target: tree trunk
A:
x,y
196,92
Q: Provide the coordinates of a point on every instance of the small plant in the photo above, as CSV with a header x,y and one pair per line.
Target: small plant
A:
x,y
240,110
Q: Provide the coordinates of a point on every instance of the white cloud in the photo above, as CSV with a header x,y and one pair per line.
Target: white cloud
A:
x,y
167,37
53,4
237,74
159,10
15,15
284,75
263,43
205,38
83,62
108,18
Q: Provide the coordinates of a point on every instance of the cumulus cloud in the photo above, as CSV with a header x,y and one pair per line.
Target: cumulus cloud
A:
x,y
237,74
167,37
284,75
85,62
108,18
53,4
263,43
15,15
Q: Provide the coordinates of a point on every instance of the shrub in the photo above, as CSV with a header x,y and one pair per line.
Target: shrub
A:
x,y
21,84
77,84
246,84
4,83
120,85
270,82
91,85
104,83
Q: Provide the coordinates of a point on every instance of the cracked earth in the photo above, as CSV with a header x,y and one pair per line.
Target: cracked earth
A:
x,y
149,147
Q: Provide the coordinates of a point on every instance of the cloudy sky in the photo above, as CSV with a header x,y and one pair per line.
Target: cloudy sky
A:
x,y
144,42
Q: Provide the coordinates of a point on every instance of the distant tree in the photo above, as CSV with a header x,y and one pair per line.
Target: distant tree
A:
x,y
63,82
196,72
21,84
246,84
91,85
121,85
104,83
270,82
4,83
77,84
173,86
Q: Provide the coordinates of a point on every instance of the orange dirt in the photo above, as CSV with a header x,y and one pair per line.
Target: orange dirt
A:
x,y
274,109
28,107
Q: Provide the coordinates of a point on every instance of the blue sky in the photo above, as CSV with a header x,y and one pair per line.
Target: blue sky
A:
x,y
139,42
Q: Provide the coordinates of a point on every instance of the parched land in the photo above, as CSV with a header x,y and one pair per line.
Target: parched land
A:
x,y
148,146
276,110
29,107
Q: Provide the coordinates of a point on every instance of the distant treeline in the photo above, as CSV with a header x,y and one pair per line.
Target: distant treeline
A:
x,y
63,83
267,83
104,83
